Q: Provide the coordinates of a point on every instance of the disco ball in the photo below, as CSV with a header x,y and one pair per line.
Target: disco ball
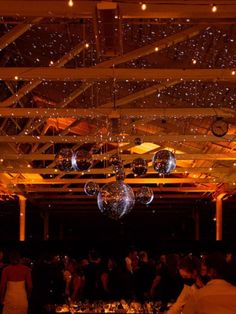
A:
x,y
139,166
115,199
91,188
164,161
63,159
144,195
137,141
115,160
81,160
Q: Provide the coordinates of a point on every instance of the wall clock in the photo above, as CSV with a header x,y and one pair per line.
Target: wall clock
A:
x,y
219,127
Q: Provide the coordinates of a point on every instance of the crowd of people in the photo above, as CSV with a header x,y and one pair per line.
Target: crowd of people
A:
x,y
203,284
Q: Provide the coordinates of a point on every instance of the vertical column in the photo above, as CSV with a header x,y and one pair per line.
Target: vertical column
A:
x,y
219,216
46,226
22,202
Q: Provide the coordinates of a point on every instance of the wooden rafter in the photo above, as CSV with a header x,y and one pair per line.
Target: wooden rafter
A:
x,y
121,138
17,31
198,156
85,9
153,113
57,74
31,85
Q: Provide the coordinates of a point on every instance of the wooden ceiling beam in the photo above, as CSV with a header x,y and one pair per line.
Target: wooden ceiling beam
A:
x,y
154,47
66,139
17,31
131,10
141,94
28,87
135,54
42,181
125,157
78,74
109,170
154,113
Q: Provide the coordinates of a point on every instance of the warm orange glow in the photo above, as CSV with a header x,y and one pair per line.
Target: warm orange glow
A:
x,y
22,202
83,128
144,148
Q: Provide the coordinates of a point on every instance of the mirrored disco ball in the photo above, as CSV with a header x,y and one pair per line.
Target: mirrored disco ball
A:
x,y
137,141
164,161
139,166
115,160
91,188
115,199
144,195
63,159
81,160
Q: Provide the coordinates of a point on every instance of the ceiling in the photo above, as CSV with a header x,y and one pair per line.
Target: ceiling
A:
x,y
96,76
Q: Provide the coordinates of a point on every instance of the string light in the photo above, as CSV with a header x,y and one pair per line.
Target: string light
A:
x,y
143,6
233,72
70,3
194,61
214,8
87,45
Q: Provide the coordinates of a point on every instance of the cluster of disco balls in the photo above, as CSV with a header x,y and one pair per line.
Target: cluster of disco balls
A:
x,y
116,199
67,160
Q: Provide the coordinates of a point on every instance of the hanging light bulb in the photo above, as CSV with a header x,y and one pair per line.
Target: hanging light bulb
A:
x,y
143,6
214,8
70,3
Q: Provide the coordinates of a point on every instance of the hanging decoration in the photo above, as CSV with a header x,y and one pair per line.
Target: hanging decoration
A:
x,y
115,199
63,159
115,160
137,141
139,166
82,160
120,174
91,188
144,195
164,161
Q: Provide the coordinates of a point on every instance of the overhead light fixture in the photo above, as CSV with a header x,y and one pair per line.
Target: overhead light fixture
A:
x,y
214,8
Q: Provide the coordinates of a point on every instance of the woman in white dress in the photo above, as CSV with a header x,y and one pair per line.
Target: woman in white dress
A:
x,y
15,288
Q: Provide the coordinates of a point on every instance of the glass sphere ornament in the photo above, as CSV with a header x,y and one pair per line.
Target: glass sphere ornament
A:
x,y
91,188
115,199
144,195
81,160
63,159
137,141
115,160
164,161
139,166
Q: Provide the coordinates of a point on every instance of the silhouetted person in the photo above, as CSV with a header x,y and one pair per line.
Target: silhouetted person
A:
x,y
16,286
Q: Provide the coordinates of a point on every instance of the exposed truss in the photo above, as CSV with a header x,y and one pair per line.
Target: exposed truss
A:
x,y
155,106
